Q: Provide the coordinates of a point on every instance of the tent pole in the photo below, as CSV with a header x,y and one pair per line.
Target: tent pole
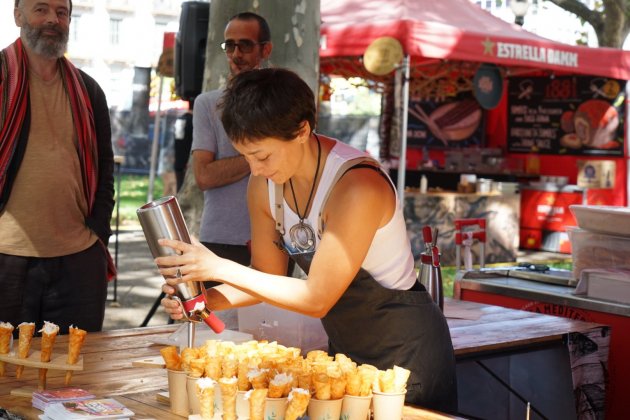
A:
x,y
402,160
156,142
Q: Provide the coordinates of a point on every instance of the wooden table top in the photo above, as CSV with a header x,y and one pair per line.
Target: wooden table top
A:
x,y
108,357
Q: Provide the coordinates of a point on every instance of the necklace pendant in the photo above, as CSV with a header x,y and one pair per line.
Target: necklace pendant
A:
x,y
302,237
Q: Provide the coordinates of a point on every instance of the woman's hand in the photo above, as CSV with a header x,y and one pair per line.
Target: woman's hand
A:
x,y
171,306
193,262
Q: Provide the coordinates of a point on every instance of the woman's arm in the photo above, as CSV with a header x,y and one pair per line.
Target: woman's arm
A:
x,y
361,202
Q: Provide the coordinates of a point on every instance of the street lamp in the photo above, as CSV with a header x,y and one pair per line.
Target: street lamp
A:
x,y
519,8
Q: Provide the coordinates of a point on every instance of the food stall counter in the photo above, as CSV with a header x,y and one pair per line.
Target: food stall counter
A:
x,y
479,332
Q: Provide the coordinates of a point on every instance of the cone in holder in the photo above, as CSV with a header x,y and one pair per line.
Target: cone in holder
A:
x,y
205,391
6,331
27,329
228,395
49,334
298,403
75,342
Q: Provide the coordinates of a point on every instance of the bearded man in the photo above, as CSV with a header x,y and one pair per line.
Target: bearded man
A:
x,y
56,177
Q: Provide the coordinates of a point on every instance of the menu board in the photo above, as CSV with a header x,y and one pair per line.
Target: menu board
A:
x,y
452,122
570,115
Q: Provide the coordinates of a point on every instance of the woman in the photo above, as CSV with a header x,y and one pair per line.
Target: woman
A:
x,y
338,217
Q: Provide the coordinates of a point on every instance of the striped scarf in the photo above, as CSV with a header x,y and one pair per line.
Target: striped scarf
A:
x,y
14,109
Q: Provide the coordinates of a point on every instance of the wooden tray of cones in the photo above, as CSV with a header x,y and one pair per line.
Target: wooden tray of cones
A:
x,y
57,361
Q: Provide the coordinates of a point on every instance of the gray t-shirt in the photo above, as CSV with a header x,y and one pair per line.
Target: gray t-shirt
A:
x,y
225,219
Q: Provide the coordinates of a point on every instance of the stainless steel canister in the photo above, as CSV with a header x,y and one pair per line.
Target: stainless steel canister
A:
x,y
163,219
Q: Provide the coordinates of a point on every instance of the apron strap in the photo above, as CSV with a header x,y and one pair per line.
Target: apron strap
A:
x,y
363,161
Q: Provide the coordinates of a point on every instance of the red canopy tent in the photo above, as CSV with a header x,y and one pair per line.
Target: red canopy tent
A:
x,y
458,30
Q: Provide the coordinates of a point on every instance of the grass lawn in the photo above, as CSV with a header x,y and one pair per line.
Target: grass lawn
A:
x,y
133,194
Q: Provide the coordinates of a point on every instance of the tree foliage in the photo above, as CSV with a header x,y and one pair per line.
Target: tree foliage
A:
x,y
609,18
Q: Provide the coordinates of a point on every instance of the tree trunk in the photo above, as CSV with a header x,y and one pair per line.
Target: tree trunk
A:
x,y
611,23
295,35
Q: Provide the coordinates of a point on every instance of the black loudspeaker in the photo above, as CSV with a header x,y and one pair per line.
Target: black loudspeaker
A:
x,y
190,48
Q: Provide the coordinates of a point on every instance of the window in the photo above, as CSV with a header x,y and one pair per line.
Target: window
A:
x,y
74,28
114,31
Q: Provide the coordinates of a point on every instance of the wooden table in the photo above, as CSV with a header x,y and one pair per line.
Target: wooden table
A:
x,y
108,357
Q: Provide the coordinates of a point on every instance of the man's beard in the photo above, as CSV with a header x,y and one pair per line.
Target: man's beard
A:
x,y
46,45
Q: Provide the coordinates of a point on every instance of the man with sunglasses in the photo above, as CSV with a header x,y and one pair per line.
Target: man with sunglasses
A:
x,y
220,171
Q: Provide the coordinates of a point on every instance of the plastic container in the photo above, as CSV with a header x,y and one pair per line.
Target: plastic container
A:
x,y
597,250
612,220
266,322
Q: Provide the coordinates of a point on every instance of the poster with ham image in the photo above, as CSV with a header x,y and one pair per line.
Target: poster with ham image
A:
x,y
450,122
570,115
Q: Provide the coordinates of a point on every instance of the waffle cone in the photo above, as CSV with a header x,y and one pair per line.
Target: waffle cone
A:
x,y
24,344
260,381
228,396
206,402
257,400
48,342
353,383
276,390
5,342
337,388
298,402
75,342
243,381
322,386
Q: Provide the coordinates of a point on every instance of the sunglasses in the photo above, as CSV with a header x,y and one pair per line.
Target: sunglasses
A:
x,y
245,46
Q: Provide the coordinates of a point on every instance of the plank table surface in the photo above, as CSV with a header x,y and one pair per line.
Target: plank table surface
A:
x,y
108,358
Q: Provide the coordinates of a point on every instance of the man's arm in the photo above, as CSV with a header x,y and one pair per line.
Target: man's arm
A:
x,y
211,173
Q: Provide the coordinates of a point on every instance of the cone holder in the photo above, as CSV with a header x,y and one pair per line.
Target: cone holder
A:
x,y
57,362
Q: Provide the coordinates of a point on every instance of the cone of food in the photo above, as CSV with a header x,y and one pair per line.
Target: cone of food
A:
x,y
229,366
257,398
258,378
49,334
75,342
196,367
212,367
243,381
353,383
24,344
6,330
279,386
170,354
322,386
386,381
228,395
401,376
298,402
205,392
368,374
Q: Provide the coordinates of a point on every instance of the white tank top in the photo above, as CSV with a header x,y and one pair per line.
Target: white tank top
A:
x,y
389,259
